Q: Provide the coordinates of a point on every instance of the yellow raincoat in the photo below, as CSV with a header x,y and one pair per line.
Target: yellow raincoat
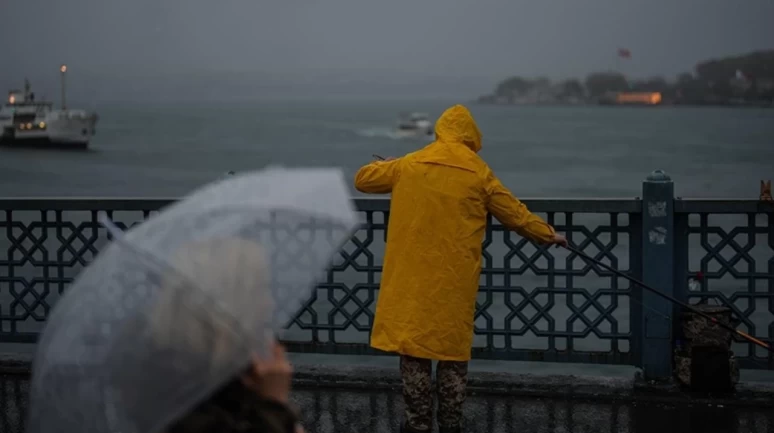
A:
x,y
440,198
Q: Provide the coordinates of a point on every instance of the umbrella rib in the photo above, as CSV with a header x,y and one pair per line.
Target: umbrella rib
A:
x,y
155,260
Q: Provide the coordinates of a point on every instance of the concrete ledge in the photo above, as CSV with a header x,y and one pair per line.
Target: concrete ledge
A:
x,y
16,363
370,377
541,386
570,386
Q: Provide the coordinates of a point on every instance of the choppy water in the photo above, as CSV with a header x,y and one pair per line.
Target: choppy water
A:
x,y
166,150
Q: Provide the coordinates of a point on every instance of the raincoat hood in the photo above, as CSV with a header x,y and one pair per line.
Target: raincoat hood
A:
x,y
456,125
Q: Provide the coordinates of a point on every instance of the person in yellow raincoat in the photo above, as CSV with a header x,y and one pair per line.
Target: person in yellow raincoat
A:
x,y
441,195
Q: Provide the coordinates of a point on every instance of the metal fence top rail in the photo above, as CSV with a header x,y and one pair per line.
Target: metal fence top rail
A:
x,y
580,205
542,204
725,206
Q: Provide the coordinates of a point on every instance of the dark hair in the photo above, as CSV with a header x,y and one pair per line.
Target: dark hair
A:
x,y
235,408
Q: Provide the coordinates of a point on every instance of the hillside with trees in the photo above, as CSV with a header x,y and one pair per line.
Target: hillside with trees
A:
x,y
741,80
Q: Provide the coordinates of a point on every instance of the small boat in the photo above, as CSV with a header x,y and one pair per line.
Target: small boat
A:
x,y
415,125
25,122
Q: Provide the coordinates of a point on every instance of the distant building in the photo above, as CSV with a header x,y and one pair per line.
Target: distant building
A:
x,y
638,98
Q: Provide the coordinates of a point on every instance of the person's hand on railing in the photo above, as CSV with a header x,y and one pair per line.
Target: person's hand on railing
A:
x,y
560,240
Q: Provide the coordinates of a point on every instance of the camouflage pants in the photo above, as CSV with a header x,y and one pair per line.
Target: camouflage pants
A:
x,y
451,380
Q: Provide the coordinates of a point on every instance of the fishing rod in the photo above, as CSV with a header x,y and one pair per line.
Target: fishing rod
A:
x,y
688,307
380,158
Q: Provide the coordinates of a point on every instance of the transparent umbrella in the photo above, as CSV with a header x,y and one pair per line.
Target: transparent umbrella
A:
x,y
175,307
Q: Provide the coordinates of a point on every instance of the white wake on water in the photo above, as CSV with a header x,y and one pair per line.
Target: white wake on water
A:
x,y
389,133
380,133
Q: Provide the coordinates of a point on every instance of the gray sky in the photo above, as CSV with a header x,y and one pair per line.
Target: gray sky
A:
x,y
470,43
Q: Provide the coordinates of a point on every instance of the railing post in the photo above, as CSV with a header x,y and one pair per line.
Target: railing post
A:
x,y
658,261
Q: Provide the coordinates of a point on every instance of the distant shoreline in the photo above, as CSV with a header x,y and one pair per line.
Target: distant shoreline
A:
x,y
744,80
597,104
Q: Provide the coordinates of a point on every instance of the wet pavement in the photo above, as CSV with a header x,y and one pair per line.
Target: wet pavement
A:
x,y
328,410
333,411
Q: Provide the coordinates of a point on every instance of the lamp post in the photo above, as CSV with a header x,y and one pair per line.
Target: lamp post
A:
x,y
63,70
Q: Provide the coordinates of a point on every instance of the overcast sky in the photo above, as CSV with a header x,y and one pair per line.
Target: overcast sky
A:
x,y
393,40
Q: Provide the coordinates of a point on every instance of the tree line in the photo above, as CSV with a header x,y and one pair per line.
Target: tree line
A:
x,y
746,78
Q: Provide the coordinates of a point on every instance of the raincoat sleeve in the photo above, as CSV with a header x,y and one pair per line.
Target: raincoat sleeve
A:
x,y
378,177
513,214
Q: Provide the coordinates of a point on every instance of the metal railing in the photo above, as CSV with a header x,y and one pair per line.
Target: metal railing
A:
x,y
731,242
535,303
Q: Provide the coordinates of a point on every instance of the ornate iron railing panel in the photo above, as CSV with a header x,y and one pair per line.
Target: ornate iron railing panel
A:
x,y
731,242
46,244
535,303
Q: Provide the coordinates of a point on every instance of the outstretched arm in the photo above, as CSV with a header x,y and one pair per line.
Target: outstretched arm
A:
x,y
514,215
378,177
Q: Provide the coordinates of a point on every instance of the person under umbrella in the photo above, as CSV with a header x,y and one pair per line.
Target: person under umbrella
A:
x,y
427,298
172,328
255,400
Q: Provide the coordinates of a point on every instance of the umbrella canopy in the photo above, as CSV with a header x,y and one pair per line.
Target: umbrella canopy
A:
x,y
177,306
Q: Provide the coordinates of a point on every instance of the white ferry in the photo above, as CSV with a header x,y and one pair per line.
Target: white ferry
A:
x,y
26,122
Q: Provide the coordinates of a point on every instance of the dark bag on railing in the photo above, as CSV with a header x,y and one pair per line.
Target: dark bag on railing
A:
x,y
705,361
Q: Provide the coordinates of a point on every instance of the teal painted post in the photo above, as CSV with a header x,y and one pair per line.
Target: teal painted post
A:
x,y
658,260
